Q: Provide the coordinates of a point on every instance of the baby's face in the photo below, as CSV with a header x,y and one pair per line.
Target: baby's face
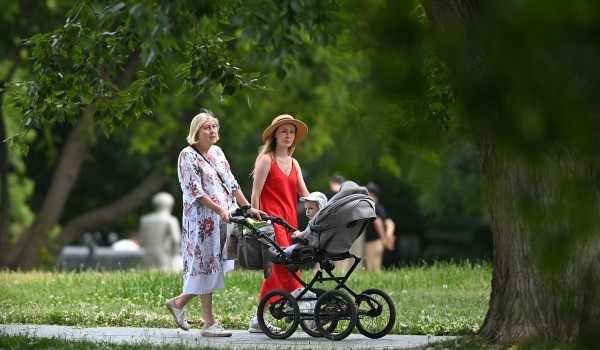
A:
x,y
311,208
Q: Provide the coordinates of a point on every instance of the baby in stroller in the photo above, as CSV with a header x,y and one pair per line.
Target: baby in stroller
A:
x,y
313,203
332,313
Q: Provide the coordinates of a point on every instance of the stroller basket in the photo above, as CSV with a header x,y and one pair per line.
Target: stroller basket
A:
x,y
253,250
249,242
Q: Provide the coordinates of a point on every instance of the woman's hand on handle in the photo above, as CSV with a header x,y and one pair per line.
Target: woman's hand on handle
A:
x,y
223,214
256,213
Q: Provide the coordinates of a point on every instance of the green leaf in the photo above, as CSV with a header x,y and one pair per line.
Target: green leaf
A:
x,y
24,148
281,74
229,90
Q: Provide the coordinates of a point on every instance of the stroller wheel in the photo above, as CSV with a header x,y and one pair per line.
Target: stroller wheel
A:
x,y
376,313
335,315
309,326
278,314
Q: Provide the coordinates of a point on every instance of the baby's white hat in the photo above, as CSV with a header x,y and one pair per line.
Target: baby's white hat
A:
x,y
318,197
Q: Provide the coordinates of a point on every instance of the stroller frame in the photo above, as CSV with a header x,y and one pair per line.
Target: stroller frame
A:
x,y
336,311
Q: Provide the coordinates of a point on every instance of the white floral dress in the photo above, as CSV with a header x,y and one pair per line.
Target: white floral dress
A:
x,y
203,233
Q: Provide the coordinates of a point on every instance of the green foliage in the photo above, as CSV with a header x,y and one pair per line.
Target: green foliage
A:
x,y
411,136
412,104
209,55
21,214
458,188
126,61
278,30
21,186
80,67
538,69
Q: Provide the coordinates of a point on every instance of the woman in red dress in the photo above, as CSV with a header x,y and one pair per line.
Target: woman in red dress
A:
x,y
277,184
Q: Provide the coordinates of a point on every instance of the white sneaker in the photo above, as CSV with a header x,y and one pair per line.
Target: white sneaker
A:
x,y
255,327
215,330
178,314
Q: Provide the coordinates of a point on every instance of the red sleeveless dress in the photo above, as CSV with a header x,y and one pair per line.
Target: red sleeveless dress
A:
x,y
279,198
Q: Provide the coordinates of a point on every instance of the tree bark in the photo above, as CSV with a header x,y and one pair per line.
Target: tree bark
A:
x,y
36,239
37,246
111,212
546,268
546,263
26,252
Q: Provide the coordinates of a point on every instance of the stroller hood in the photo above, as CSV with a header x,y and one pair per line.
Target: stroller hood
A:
x,y
350,204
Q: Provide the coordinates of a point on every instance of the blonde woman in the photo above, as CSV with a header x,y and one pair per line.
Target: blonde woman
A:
x,y
209,189
277,184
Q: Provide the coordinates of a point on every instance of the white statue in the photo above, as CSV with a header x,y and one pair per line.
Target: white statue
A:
x,y
160,235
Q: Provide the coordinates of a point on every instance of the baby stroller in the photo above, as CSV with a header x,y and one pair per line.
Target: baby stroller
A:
x,y
331,313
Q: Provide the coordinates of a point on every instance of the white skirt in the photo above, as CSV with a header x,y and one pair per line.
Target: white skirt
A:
x,y
205,284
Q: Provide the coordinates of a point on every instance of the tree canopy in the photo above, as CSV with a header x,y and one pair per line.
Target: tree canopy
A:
x,y
137,72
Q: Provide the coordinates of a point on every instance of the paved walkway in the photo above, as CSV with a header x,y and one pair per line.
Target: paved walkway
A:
x,y
239,340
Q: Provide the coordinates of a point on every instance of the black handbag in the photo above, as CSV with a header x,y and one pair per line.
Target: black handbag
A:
x,y
253,251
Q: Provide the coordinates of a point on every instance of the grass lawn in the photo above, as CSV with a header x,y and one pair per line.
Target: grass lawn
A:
x,y
440,299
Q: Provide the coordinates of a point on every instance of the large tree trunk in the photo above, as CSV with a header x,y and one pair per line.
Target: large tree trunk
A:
x,y
112,212
35,241
36,245
546,269
546,264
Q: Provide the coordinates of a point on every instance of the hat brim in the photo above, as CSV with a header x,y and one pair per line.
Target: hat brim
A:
x,y
321,199
301,130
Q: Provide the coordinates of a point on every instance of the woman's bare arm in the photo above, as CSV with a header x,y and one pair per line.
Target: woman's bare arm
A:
x,y
302,189
261,171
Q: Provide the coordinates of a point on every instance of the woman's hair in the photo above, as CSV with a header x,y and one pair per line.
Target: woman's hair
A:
x,y
197,122
269,147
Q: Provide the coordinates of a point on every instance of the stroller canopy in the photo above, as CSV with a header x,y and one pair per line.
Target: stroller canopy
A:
x,y
351,203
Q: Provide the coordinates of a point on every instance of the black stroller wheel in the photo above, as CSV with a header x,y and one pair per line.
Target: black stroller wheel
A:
x,y
376,313
335,315
309,326
278,314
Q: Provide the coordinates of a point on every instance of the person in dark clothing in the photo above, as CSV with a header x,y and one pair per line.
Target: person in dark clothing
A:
x,y
379,234
335,182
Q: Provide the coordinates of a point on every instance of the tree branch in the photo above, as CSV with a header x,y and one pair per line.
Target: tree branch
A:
x,y
113,211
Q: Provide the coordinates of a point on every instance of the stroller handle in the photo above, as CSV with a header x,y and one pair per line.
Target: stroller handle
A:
x,y
241,221
238,214
279,221
241,211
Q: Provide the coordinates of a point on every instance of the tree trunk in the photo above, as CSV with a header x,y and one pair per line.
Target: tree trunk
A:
x,y
35,241
112,212
36,246
546,263
546,268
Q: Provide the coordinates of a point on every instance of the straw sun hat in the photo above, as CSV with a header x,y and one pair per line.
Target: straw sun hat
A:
x,y
301,128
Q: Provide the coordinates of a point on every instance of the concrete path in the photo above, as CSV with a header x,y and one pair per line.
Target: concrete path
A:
x,y
241,339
